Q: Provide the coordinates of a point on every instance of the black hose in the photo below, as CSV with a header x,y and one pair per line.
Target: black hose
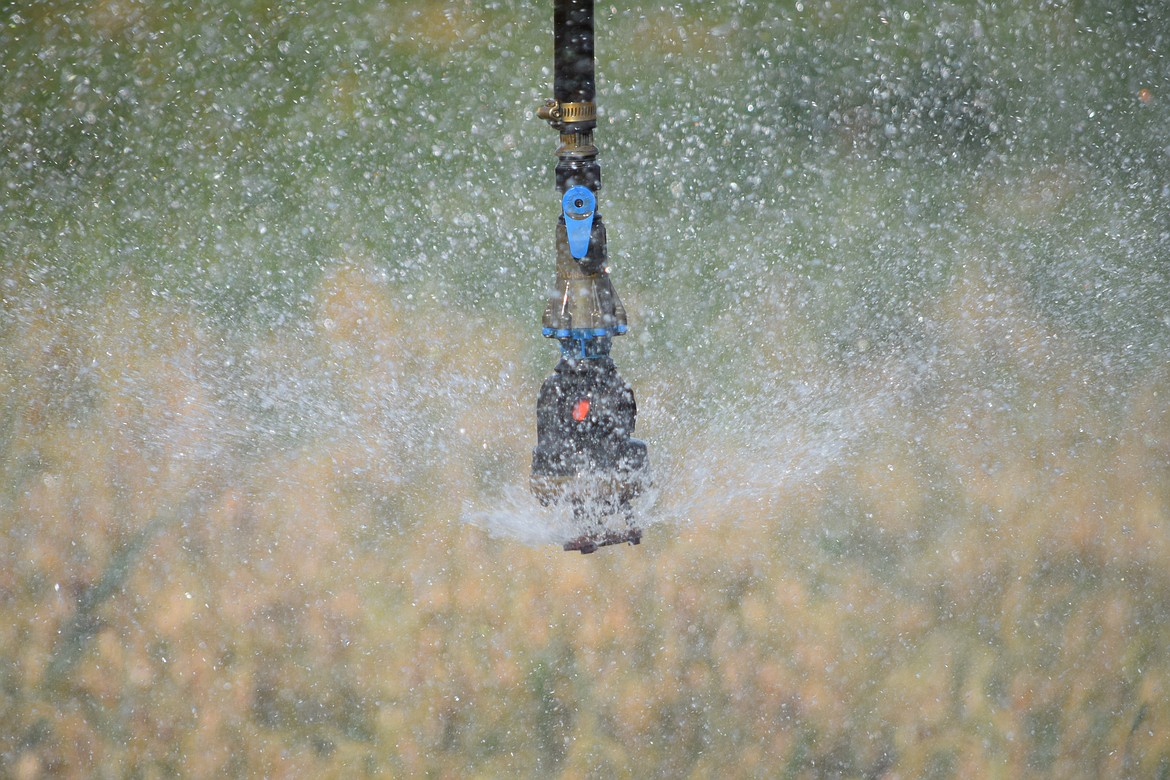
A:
x,y
573,51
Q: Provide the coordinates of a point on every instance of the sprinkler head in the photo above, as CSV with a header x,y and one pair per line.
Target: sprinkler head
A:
x,y
586,457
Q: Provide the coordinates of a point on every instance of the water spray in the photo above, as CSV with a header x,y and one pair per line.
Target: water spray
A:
x,y
585,456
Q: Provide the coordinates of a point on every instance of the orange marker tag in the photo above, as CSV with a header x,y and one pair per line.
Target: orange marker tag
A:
x,y
581,410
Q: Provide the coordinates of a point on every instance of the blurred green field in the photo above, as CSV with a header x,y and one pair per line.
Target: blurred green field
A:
x,y
269,288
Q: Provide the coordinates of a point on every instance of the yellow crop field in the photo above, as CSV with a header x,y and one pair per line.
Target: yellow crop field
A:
x,y
987,599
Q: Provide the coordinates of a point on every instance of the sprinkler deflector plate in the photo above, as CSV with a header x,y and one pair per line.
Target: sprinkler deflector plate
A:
x,y
589,543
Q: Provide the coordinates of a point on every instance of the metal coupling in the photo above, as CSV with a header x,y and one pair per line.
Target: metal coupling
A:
x,y
560,115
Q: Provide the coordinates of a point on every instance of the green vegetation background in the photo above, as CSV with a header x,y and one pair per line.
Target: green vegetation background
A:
x,y
270,276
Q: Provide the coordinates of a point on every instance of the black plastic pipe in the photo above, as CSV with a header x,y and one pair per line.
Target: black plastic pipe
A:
x,y
573,80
